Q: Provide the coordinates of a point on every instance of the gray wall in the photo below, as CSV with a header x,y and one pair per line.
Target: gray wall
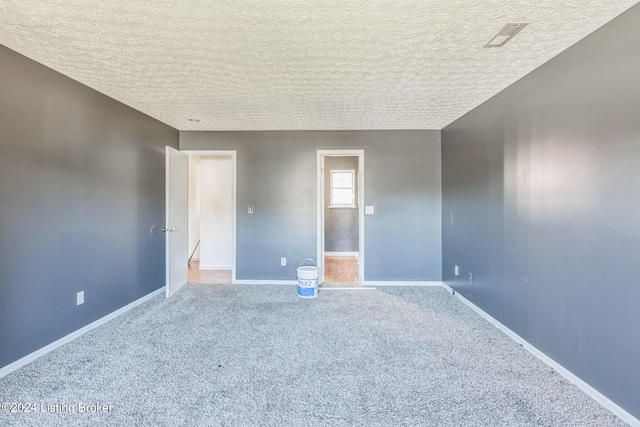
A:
x,y
277,175
81,185
341,228
541,202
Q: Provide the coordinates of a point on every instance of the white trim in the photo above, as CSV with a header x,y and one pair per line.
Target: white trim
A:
x,y
320,215
320,155
234,188
342,254
402,283
577,381
265,282
212,268
73,335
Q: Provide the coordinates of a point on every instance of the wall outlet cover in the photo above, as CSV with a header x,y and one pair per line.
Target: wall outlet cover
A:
x,y
368,210
80,298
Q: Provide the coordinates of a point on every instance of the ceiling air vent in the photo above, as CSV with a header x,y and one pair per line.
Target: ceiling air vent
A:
x,y
505,34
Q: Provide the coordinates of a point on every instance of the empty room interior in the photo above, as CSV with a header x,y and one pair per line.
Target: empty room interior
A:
x,y
464,176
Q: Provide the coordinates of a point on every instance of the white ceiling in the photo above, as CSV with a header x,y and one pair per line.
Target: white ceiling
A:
x,y
294,64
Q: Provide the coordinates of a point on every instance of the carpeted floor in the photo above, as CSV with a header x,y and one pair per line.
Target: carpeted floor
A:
x,y
226,355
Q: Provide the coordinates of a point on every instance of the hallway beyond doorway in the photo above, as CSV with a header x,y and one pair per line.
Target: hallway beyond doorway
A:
x,y
341,270
210,277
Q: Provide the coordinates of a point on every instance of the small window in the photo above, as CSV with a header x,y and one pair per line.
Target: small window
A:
x,y
343,189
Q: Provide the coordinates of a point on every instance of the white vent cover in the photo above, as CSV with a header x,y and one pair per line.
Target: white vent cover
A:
x,y
505,34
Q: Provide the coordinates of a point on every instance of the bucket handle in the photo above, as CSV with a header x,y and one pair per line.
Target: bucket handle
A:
x,y
308,259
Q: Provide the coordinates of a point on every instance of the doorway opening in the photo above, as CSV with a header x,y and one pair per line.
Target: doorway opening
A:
x,y
340,217
211,215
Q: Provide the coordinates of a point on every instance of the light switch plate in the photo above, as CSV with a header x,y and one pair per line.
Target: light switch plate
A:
x,y
368,210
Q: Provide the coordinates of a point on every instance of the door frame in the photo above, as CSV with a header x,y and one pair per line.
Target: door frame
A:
x,y
234,157
320,155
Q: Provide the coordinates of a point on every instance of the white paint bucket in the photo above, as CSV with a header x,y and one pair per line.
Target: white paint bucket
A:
x,y
307,280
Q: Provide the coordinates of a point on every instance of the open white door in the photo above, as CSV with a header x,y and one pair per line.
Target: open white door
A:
x,y
177,220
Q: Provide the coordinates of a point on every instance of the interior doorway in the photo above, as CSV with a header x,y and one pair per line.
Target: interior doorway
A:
x,y
212,217
340,216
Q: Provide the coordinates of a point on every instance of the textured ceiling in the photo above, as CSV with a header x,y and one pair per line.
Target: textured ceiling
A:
x,y
291,64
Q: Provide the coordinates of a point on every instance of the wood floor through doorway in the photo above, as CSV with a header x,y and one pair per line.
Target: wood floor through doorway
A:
x,y
341,270
210,277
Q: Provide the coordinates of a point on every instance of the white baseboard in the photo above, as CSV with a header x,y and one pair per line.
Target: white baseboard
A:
x,y
345,288
265,282
581,384
216,268
401,283
345,254
73,335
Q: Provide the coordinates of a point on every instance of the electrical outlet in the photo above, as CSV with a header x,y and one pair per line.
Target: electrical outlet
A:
x,y
283,261
369,210
80,298
250,209
455,270
470,278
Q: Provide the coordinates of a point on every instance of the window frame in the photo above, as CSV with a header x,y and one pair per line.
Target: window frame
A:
x,y
354,203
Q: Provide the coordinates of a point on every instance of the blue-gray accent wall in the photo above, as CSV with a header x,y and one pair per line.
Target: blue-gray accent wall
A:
x,y
277,175
82,180
541,203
